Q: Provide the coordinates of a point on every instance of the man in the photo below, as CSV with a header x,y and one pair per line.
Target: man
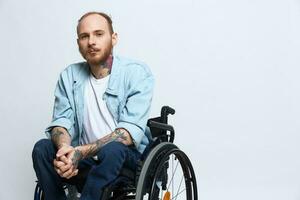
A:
x,y
99,119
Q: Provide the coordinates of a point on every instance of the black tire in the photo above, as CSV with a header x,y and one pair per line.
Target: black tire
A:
x,y
154,181
38,193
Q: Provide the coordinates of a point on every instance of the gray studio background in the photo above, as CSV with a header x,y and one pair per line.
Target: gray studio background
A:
x,y
229,68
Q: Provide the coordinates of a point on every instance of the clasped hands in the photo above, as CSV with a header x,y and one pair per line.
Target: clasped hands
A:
x,y
66,161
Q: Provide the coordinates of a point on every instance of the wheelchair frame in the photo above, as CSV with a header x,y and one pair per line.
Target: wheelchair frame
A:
x,y
151,169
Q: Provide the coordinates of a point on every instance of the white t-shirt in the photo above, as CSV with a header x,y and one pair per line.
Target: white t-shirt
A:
x,y
97,119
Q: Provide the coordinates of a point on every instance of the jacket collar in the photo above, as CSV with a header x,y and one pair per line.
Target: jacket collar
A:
x,y
113,80
84,72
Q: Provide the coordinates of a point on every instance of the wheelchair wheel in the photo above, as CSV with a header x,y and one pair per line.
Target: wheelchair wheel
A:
x,y
167,174
71,192
38,193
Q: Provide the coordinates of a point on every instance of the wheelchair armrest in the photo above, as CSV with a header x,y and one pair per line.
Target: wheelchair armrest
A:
x,y
162,126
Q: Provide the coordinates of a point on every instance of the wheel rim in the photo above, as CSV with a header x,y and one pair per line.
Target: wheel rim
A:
x,y
149,175
178,184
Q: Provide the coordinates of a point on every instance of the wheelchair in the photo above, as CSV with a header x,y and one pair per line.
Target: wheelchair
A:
x,y
163,173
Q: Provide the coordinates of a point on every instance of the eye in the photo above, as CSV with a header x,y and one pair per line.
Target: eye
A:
x,y
99,34
83,37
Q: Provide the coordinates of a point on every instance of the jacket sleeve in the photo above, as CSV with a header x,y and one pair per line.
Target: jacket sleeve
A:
x,y
136,111
63,114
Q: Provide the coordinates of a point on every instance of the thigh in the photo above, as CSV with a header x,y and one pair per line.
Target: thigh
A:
x,y
128,155
132,157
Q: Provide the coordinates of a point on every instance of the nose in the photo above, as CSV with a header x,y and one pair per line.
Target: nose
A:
x,y
91,40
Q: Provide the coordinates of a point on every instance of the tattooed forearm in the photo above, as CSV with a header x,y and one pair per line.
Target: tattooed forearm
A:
x,y
56,133
60,136
76,158
119,135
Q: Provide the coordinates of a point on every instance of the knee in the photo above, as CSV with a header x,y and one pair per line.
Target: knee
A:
x,y
42,148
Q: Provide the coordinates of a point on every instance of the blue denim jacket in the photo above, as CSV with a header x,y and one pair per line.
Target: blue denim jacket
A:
x,y
128,97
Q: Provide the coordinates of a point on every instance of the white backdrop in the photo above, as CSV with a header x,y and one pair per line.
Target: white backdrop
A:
x,y
229,68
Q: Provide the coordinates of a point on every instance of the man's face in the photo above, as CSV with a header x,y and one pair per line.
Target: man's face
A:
x,y
94,39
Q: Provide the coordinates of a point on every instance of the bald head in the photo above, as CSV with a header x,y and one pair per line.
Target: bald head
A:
x,y
100,15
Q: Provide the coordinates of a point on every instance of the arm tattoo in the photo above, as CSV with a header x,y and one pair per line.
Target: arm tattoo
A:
x,y
76,158
60,136
118,135
56,133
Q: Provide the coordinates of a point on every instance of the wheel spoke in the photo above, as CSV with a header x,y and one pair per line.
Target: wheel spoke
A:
x,y
179,186
173,173
161,197
178,194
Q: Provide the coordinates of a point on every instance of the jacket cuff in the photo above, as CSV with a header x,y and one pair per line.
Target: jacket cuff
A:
x,y
61,122
135,132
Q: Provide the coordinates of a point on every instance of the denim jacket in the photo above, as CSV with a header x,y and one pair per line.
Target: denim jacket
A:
x,y
128,98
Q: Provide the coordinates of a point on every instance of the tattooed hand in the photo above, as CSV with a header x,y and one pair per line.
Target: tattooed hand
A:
x,y
66,162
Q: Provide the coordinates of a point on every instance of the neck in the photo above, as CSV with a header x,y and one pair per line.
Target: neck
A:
x,y
101,70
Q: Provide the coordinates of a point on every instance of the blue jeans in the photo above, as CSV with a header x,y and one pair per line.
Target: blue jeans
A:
x,y
93,175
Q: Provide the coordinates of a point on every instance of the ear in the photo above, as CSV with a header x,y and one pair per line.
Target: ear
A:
x,y
114,39
77,41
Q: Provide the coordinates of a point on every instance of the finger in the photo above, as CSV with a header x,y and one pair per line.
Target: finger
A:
x,y
66,168
65,160
74,173
63,167
68,173
55,163
58,164
59,172
64,150
70,156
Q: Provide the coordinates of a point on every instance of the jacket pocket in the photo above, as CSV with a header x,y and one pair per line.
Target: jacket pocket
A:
x,y
113,104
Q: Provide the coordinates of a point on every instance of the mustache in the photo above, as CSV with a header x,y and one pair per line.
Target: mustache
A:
x,y
91,49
